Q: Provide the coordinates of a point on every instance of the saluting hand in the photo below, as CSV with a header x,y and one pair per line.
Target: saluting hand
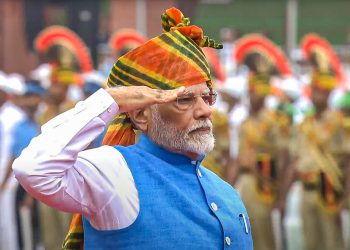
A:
x,y
136,97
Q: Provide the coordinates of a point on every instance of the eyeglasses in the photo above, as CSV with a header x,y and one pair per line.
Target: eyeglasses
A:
x,y
188,100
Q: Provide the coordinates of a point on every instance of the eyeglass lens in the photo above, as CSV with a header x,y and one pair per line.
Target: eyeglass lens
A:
x,y
185,102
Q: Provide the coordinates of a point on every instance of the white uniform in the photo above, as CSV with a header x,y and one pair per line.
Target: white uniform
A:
x,y
10,115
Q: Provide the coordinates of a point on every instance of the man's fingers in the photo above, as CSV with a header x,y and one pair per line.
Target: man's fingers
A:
x,y
180,91
163,96
135,97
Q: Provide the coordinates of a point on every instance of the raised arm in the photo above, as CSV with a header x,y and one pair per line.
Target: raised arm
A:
x,y
53,167
47,168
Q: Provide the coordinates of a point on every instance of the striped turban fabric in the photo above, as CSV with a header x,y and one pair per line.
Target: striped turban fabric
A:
x,y
168,61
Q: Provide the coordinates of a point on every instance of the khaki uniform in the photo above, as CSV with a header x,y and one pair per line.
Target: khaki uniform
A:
x,y
218,158
317,148
54,224
257,183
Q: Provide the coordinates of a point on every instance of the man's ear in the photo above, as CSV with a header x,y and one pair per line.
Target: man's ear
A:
x,y
140,118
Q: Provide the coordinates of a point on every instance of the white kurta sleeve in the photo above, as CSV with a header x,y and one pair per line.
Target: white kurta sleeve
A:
x,y
55,169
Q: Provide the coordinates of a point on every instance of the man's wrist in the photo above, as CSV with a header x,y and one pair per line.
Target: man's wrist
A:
x,y
102,97
114,93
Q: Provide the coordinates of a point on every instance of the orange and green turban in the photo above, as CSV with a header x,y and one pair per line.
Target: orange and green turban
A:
x,y
168,61
66,52
264,59
328,72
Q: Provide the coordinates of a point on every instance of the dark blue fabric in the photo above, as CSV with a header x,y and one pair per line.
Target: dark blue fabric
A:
x,y
98,140
23,133
175,206
33,88
90,87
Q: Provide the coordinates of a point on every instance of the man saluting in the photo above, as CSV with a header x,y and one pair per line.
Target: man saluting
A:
x,y
153,194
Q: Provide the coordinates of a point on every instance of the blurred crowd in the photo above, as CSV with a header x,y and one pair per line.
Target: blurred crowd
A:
x,y
282,135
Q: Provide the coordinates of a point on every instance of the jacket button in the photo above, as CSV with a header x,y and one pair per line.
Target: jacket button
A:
x,y
214,206
228,240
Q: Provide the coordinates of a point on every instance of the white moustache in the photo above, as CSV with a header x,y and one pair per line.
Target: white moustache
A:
x,y
202,124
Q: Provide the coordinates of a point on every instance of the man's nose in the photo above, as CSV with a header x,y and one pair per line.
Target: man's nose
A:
x,y
202,110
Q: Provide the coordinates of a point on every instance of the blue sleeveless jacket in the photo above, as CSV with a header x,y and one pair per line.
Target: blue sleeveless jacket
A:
x,y
182,206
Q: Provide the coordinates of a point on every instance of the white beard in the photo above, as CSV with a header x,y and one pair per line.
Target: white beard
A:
x,y
168,136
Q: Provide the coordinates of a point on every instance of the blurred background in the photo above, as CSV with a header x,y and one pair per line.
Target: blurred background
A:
x,y
281,121
283,21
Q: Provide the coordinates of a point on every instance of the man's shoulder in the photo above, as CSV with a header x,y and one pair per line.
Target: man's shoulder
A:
x,y
103,156
125,150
